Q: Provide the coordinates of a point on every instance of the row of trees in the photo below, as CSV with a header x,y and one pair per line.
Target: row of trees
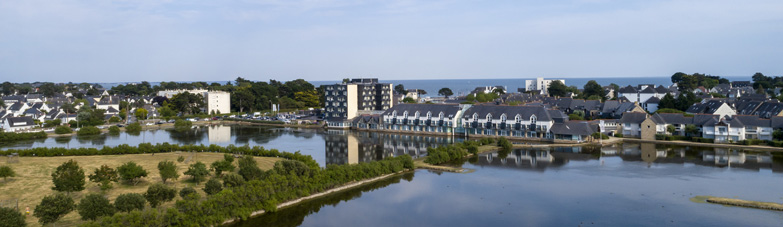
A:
x,y
684,101
688,82
49,89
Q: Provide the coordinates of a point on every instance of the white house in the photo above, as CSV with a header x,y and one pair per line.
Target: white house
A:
x,y
13,124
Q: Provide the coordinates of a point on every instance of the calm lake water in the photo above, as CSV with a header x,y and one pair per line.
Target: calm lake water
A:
x,y
621,185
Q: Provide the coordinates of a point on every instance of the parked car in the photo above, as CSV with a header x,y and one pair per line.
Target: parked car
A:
x,y
149,124
171,121
120,125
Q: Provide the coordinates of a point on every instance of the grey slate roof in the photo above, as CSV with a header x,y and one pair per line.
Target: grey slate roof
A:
x,y
32,111
748,120
449,110
628,89
768,109
702,119
16,106
708,107
633,118
653,100
648,90
673,118
661,89
511,112
20,121
609,106
581,128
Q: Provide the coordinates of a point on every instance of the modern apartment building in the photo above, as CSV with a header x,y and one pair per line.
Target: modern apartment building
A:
x,y
539,84
345,101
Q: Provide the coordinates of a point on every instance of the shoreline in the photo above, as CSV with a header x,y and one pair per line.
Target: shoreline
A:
x,y
327,192
745,203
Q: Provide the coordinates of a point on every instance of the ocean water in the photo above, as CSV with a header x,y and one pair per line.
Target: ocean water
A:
x,y
465,86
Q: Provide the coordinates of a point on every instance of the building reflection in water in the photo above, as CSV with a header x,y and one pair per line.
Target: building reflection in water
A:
x,y
346,147
541,158
219,134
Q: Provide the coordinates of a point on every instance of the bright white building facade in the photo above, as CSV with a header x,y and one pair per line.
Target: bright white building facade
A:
x,y
539,84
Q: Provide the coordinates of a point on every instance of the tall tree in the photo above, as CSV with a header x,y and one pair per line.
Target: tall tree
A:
x,y
557,89
104,175
593,88
667,102
400,89
198,172
445,92
68,177
168,170
131,172
6,172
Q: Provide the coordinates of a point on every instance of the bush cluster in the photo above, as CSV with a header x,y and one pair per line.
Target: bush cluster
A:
x,y
88,130
487,141
63,129
443,154
504,143
6,137
144,148
288,180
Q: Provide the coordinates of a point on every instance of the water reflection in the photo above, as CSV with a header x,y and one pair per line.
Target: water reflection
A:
x,y
346,147
651,154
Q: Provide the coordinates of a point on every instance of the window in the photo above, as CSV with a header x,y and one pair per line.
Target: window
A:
x,y
475,117
518,119
429,115
489,117
503,118
533,119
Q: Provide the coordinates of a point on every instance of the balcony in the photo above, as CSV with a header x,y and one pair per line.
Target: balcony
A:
x,y
503,126
488,125
518,126
416,122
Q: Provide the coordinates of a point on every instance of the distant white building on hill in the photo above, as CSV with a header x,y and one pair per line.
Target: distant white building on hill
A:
x,y
539,84
217,102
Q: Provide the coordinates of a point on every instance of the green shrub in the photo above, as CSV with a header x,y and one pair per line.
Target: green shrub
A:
x,y
505,144
114,119
159,193
130,201
89,130
93,206
63,130
187,191
233,180
618,135
133,128
114,130
11,217
6,137
182,125
213,186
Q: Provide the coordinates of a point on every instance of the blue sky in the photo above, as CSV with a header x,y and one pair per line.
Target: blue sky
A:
x,y
134,40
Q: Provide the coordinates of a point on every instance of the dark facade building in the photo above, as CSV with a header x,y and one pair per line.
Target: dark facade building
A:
x,y
345,101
